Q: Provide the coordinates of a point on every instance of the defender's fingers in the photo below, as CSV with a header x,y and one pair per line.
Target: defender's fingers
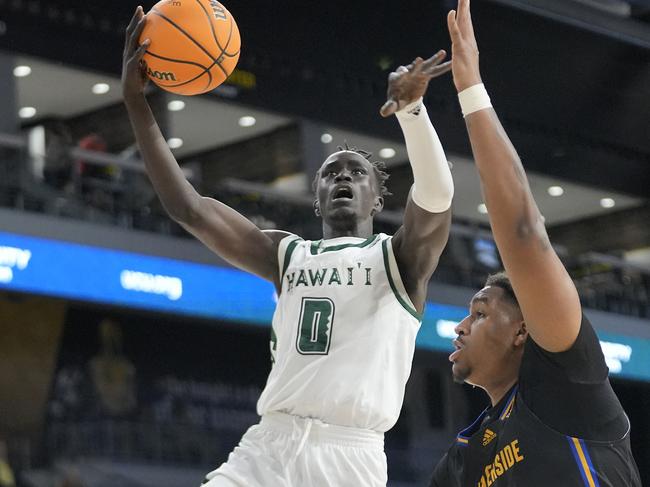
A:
x,y
389,108
452,25
463,9
465,18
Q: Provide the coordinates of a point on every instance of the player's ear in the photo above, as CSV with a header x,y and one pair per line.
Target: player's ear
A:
x,y
378,206
317,208
522,334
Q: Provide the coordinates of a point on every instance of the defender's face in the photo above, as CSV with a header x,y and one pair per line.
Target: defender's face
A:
x,y
347,187
485,338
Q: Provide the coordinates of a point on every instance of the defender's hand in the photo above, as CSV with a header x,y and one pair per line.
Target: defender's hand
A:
x,y
408,83
464,50
134,74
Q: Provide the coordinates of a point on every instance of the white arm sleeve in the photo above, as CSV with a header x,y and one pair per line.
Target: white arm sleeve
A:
x,y
433,187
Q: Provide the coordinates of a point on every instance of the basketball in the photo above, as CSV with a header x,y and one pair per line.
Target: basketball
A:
x,y
195,45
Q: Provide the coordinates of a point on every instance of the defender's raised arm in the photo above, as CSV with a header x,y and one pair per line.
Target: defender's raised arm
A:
x,y
548,298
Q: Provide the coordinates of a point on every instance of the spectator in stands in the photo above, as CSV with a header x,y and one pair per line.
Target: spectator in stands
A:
x,y
58,164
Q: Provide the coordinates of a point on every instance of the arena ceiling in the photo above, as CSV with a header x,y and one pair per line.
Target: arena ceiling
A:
x,y
570,81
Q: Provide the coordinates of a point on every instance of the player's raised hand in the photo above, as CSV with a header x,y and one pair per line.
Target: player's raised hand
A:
x,y
134,76
408,83
464,50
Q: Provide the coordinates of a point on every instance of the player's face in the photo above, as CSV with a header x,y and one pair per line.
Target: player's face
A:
x,y
486,339
347,187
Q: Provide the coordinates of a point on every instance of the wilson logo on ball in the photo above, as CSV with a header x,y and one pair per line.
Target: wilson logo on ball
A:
x,y
161,75
218,9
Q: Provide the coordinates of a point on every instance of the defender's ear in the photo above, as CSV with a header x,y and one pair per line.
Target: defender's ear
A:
x,y
316,208
522,335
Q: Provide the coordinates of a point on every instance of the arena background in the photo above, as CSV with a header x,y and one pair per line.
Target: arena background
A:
x,y
130,355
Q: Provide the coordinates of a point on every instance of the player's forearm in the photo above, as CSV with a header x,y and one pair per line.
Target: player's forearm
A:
x,y
433,186
177,195
512,210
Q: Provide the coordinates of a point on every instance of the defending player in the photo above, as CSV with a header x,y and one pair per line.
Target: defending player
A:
x,y
349,306
554,419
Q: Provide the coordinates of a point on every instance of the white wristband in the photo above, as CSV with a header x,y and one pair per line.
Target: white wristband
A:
x,y
473,99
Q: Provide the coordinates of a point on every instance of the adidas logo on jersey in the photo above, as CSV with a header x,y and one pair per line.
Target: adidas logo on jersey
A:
x,y
488,436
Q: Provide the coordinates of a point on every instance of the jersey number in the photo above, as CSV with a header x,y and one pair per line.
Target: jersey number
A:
x,y
315,327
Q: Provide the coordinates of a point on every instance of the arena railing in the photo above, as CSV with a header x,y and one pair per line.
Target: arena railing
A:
x,y
605,282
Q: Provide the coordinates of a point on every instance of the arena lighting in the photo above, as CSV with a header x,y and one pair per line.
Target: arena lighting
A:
x,y
482,209
175,105
387,153
101,88
22,71
247,121
607,202
326,138
27,112
175,142
555,190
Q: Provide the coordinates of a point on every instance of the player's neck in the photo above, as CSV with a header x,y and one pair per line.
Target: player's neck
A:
x,y
498,390
362,229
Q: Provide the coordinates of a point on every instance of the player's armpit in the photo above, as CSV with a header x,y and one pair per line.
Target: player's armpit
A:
x,y
418,244
235,238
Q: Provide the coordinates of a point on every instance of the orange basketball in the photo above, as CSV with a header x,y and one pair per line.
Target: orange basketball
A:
x,y
194,46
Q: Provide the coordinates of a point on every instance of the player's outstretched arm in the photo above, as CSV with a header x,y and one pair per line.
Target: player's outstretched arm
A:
x,y
547,296
222,229
424,233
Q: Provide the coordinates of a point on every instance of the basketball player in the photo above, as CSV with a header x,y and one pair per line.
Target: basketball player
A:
x,y
350,304
554,419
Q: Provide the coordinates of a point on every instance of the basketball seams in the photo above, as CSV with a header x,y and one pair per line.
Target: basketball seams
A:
x,y
214,34
205,70
170,23
178,60
180,29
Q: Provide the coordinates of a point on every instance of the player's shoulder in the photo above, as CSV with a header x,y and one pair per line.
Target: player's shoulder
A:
x,y
278,235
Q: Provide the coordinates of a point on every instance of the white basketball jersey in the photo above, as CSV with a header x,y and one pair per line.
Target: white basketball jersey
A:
x,y
343,333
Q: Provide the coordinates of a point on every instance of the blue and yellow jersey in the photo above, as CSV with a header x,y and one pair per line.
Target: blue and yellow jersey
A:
x,y
510,445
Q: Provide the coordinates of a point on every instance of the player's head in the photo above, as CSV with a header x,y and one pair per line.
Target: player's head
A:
x,y
349,187
491,338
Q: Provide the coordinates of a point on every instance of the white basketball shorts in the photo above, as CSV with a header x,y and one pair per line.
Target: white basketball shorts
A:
x,y
289,451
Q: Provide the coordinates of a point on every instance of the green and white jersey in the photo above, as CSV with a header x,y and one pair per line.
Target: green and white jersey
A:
x,y
343,333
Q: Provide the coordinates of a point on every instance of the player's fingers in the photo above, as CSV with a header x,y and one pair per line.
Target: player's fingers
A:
x,y
402,69
134,20
388,108
416,65
139,52
435,59
134,37
439,69
129,30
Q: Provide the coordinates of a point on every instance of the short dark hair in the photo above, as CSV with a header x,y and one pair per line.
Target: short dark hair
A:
x,y
501,279
379,168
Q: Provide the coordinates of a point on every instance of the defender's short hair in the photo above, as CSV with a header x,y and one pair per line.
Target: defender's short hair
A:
x,y
501,279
